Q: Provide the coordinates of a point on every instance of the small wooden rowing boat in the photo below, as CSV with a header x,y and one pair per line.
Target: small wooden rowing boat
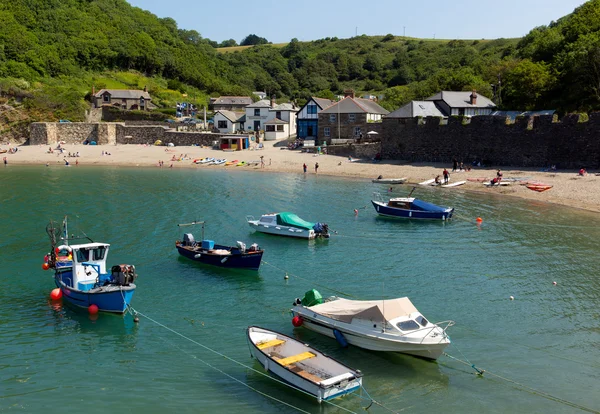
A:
x,y
390,180
302,366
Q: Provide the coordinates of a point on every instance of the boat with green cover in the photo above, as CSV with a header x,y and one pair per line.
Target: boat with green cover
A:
x,y
288,224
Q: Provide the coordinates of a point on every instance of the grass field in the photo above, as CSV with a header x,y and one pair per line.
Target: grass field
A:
x,y
240,48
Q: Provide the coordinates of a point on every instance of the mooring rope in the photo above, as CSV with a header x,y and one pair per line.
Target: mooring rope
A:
x,y
531,390
136,312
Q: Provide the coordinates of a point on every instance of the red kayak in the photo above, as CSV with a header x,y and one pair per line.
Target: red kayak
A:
x,y
539,187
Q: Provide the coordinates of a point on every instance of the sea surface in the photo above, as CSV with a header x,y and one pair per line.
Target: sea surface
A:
x,y
540,351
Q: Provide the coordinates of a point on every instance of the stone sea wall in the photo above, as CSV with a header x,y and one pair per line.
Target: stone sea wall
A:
x,y
105,133
528,142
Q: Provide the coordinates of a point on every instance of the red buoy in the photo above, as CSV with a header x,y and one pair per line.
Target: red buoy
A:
x,y
479,220
297,321
93,309
56,294
45,266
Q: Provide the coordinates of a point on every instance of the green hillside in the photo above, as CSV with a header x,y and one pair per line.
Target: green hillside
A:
x,y
53,51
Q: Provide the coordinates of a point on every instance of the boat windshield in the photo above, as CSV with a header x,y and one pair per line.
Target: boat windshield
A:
x,y
267,219
98,253
422,321
83,255
408,325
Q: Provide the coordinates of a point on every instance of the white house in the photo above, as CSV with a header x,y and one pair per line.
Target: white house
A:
x,y
276,129
285,112
257,114
261,95
462,103
228,122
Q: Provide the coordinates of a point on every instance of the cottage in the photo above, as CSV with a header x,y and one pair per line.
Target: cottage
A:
x,y
230,103
285,112
229,122
462,103
123,98
257,114
349,119
276,129
308,117
417,109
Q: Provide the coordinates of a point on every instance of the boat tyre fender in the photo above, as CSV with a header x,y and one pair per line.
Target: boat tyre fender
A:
x,y
340,338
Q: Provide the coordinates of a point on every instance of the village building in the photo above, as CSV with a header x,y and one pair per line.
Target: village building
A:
x,y
257,114
129,99
261,95
286,113
230,103
349,120
307,118
462,103
229,122
417,109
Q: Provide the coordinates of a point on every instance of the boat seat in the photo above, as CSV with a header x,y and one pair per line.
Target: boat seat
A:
x,y
296,358
305,374
270,344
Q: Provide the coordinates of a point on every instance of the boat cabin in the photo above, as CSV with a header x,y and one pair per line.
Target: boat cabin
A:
x,y
81,266
404,203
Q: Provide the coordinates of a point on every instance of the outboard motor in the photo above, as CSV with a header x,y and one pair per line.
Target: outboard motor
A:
x,y
242,246
188,240
123,274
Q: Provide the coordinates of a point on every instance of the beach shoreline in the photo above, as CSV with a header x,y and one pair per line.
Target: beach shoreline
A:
x,y
568,188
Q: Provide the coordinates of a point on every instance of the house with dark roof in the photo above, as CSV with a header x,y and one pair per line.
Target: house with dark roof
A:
x,y
279,115
229,122
230,103
349,119
123,98
307,118
257,114
417,109
462,103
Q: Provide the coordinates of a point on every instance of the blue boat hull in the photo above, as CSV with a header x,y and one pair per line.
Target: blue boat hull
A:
x,y
114,299
236,260
384,210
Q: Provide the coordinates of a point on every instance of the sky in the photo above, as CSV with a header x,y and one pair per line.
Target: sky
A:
x,y
282,20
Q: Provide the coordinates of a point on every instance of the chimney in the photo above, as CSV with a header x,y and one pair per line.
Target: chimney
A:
x,y
145,88
272,101
349,93
473,100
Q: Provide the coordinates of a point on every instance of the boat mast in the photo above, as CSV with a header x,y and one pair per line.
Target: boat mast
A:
x,y
65,231
193,223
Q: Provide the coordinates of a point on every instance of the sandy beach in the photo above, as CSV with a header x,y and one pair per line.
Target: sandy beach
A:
x,y
568,189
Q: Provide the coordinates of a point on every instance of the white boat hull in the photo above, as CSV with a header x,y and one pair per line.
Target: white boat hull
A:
x,y
282,230
323,390
390,180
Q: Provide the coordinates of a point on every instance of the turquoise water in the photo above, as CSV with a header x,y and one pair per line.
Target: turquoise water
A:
x,y
53,357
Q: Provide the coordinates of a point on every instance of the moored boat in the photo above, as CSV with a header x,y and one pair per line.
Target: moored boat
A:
x,y
288,224
302,366
391,325
410,208
207,252
539,187
390,180
81,274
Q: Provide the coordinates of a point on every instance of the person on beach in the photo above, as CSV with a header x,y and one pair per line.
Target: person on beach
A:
x,y
499,175
304,167
316,167
66,162
446,176
5,161
437,181
454,164
582,171
262,161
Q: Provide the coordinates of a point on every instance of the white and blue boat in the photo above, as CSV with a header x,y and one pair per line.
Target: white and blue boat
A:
x,y
81,274
410,208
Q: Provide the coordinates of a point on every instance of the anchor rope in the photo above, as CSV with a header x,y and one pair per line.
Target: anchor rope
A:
x,y
525,387
233,360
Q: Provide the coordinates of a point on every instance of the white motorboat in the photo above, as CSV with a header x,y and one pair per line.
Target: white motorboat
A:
x,y
208,160
392,325
219,161
302,366
390,180
288,224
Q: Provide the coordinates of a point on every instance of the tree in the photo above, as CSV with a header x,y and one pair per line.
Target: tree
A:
x,y
253,39
228,43
526,84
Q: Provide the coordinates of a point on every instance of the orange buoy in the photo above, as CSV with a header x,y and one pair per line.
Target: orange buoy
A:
x,y
56,294
45,266
93,309
479,220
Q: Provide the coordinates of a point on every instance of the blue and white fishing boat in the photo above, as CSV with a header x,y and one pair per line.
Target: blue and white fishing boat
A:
x,y
410,208
207,252
81,274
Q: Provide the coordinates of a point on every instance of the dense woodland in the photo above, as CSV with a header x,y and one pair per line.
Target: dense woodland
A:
x,y
53,51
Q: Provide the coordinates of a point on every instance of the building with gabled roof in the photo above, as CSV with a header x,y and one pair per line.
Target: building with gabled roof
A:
x,y
349,119
230,103
417,109
131,99
307,119
229,122
462,103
